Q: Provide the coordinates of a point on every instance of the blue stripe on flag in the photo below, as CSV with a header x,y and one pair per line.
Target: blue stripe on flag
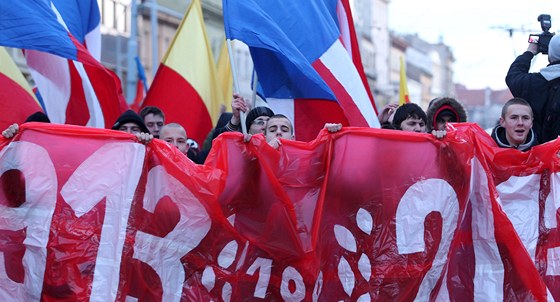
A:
x,y
285,38
32,24
80,16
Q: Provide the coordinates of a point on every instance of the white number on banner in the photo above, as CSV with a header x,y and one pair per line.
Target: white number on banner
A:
x,y
422,198
164,254
111,173
290,274
265,267
34,215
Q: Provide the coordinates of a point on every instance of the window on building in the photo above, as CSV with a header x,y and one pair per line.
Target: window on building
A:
x,y
115,15
108,13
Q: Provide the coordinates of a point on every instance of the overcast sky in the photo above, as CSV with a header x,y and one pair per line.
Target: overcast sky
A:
x,y
476,31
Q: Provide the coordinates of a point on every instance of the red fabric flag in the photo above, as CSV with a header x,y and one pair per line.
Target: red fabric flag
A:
x,y
350,216
137,102
16,98
141,87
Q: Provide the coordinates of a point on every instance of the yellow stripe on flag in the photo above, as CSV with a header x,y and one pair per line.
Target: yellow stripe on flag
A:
x,y
190,55
9,68
403,88
225,77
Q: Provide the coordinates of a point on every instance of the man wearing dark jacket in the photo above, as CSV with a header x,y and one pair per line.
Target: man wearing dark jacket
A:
x,y
515,128
535,87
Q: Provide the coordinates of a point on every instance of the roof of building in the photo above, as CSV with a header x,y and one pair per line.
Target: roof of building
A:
x,y
477,97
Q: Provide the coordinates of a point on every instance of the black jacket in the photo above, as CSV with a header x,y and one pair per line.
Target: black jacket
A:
x,y
533,87
499,136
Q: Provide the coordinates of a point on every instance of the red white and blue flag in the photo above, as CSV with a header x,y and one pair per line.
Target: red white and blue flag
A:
x,y
75,87
141,86
304,51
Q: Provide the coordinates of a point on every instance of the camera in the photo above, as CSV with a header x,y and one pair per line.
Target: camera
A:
x,y
542,39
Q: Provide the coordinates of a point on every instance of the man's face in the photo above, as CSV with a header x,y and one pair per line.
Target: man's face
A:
x,y
131,128
154,123
413,124
279,128
442,122
177,137
518,122
258,125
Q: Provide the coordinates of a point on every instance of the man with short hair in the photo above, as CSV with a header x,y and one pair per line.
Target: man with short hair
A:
x,y
153,118
175,135
410,117
516,126
278,126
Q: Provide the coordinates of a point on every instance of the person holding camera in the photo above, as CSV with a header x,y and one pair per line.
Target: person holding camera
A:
x,y
539,88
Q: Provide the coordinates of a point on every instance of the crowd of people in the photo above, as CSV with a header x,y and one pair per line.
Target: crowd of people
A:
x,y
531,117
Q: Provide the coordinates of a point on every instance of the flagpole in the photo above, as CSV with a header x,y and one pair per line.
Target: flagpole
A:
x,y
235,83
132,71
255,86
154,29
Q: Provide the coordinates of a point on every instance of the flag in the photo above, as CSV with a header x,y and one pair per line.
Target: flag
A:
x,y
350,41
83,20
225,77
404,97
185,86
33,25
298,54
307,222
75,87
310,116
17,99
141,86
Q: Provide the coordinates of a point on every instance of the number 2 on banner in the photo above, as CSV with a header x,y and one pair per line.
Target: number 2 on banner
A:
x,y
422,198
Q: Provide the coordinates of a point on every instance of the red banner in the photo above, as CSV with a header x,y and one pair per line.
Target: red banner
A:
x,y
360,215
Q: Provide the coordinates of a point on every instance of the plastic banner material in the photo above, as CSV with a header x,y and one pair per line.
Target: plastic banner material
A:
x,y
358,215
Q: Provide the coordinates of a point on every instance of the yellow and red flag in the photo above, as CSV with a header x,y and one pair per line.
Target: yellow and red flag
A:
x,y
403,88
17,100
185,86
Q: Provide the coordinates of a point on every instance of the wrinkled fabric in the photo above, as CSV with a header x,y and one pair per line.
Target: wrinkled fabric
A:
x,y
362,214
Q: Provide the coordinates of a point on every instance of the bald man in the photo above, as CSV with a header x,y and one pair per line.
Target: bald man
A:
x,y
175,135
